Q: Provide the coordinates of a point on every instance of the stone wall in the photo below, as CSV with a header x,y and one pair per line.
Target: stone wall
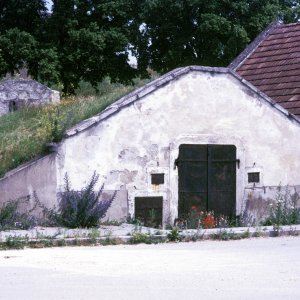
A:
x,y
20,92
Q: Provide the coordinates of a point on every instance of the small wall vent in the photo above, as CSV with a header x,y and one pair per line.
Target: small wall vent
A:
x,y
158,178
253,177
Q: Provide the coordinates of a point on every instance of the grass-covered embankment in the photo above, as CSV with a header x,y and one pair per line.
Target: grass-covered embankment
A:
x,y
25,133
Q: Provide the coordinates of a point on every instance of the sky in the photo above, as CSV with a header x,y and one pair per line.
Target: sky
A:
x,y
49,4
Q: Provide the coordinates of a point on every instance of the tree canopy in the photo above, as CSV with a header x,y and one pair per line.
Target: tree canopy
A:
x,y
90,39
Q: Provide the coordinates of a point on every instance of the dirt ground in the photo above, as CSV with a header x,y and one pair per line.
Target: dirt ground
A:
x,y
258,268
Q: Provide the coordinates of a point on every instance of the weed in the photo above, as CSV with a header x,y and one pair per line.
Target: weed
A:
x,y
139,237
225,235
284,209
258,232
174,235
94,234
109,240
245,234
61,243
15,242
80,208
25,133
56,123
199,235
111,223
11,218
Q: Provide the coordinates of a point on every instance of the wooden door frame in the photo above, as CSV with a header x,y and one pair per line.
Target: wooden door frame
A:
x,y
205,139
202,156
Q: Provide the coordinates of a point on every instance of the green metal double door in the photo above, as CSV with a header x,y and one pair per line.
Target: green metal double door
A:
x,y
207,179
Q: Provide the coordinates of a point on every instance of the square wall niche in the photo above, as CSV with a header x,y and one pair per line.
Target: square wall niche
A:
x,y
157,179
149,210
254,177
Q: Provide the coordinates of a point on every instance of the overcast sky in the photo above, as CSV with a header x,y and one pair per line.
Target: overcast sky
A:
x,y
49,4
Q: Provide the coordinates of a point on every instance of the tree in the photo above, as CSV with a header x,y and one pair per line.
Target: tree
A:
x,y
20,50
92,40
174,33
26,15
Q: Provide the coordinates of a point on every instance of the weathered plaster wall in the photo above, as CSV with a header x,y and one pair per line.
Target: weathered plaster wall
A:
x,y
25,92
39,176
119,206
199,108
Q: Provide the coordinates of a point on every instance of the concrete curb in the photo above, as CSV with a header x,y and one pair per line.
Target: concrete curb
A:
x,y
44,237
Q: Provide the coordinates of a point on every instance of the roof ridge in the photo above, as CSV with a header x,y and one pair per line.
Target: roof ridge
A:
x,y
289,24
252,46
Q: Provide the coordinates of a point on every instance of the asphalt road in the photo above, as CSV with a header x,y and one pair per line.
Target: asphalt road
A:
x,y
262,268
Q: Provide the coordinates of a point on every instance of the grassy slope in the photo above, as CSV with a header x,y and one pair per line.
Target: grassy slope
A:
x,y
24,134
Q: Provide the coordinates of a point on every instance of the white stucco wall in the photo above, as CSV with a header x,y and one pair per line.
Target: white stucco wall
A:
x,y
197,108
36,176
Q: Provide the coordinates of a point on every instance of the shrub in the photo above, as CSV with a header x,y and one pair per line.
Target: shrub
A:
x,y
284,209
174,235
82,208
11,218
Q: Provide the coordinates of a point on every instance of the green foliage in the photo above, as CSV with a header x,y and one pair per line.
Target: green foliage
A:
x,y
12,218
92,39
284,209
174,235
56,123
94,234
139,237
89,40
82,208
26,15
201,32
18,49
15,242
224,235
25,133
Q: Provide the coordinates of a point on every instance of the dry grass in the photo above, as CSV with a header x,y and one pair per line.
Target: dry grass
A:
x,y
25,133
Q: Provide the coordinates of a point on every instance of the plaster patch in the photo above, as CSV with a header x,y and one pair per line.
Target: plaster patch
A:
x,y
128,176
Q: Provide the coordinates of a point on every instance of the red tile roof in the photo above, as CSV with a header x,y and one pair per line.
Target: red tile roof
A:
x,y
272,64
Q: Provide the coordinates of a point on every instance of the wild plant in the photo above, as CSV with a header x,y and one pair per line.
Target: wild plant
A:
x,y
139,237
12,218
174,235
80,208
56,123
284,209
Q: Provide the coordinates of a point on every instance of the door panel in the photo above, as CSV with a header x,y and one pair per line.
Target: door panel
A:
x,y
194,177
149,210
207,178
192,172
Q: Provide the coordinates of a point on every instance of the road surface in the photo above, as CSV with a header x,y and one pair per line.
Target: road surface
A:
x,y
261,268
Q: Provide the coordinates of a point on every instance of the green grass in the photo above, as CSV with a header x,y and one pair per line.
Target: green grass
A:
x,y
25,133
